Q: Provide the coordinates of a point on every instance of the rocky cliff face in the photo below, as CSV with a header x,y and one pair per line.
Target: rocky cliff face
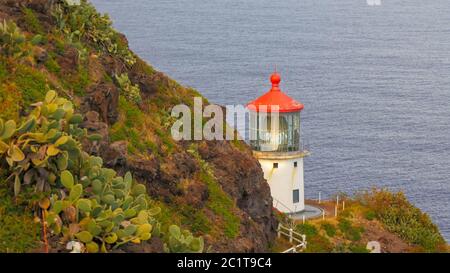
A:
x,y
214,188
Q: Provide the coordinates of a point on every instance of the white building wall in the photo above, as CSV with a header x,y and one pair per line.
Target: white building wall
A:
x,y
283,181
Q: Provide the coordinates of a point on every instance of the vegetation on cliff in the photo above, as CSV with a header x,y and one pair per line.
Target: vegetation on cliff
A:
x,y
122,108
376,215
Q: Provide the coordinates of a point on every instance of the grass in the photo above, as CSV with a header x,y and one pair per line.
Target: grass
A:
x,y
221,204
18,231
218,201
195,219
32,22
400,217
349,231
329,229
52,65
125,129
30,82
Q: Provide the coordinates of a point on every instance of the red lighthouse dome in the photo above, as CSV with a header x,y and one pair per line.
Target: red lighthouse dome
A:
x,y
275,97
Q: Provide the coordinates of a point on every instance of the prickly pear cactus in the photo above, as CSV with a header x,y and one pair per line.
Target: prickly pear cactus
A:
x,y
183,241
88,203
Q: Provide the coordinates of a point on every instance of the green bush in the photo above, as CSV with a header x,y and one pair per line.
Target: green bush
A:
x,y
307,229
32,22
401,217
329,228
318,244
219,202
350,232
12,40
370,215
87,202
84,22
18,231
128,90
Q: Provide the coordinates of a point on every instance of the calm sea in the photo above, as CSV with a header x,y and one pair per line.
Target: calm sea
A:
x,y
375,80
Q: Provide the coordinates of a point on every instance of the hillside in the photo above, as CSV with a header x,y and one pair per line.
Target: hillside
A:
x,y
377,215
86,155
215,190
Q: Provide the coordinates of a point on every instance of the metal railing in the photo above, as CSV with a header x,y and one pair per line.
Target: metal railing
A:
x,y
299,240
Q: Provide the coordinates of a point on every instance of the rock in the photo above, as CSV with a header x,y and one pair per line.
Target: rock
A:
x,y
116,154
40,55
94,126
148,82
240,175
69,60
104,99
154,245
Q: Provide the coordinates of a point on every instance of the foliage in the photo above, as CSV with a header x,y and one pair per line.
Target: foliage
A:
x,y
370,215
12,39
318,244
130,91
9,101
219,202
329,228
88,202
18,231
401,217
124,129
182,241
32,22
350,232
82,21
307,229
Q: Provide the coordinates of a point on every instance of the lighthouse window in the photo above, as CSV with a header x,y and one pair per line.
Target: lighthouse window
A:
x,y
295,164
275,165
296,196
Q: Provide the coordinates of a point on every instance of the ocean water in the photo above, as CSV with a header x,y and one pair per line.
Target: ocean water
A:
x,y
375,80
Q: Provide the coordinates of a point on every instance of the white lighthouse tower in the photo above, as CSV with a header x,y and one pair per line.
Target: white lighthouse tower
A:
x,y
275,139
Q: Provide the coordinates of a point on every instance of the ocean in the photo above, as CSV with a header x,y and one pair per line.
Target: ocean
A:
x,y
374,79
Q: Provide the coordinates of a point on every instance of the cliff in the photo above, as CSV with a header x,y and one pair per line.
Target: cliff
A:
x,y
215,189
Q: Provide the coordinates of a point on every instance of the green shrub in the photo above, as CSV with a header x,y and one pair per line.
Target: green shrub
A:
x,y
44,152
84,22
32,22
401,217
179,241
196,219
219,202
12,40
307,229
318,244
329,228
52,65
18,231
358,248
128,90
30,82
350,232
370,215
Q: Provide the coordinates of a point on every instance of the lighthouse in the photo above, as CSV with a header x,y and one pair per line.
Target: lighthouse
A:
x,y
274,135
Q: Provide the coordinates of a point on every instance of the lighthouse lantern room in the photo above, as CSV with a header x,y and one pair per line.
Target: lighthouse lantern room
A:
x,y
274,135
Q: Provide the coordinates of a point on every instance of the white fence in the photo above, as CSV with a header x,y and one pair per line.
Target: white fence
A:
x,y
299,240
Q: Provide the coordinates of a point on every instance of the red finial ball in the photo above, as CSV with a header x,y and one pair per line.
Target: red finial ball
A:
x,y
275,78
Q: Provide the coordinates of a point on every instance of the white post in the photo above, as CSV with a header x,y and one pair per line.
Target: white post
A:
x,y
290,235
337,200
335,211
279,230
304,219
320,197
323,214
343,205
